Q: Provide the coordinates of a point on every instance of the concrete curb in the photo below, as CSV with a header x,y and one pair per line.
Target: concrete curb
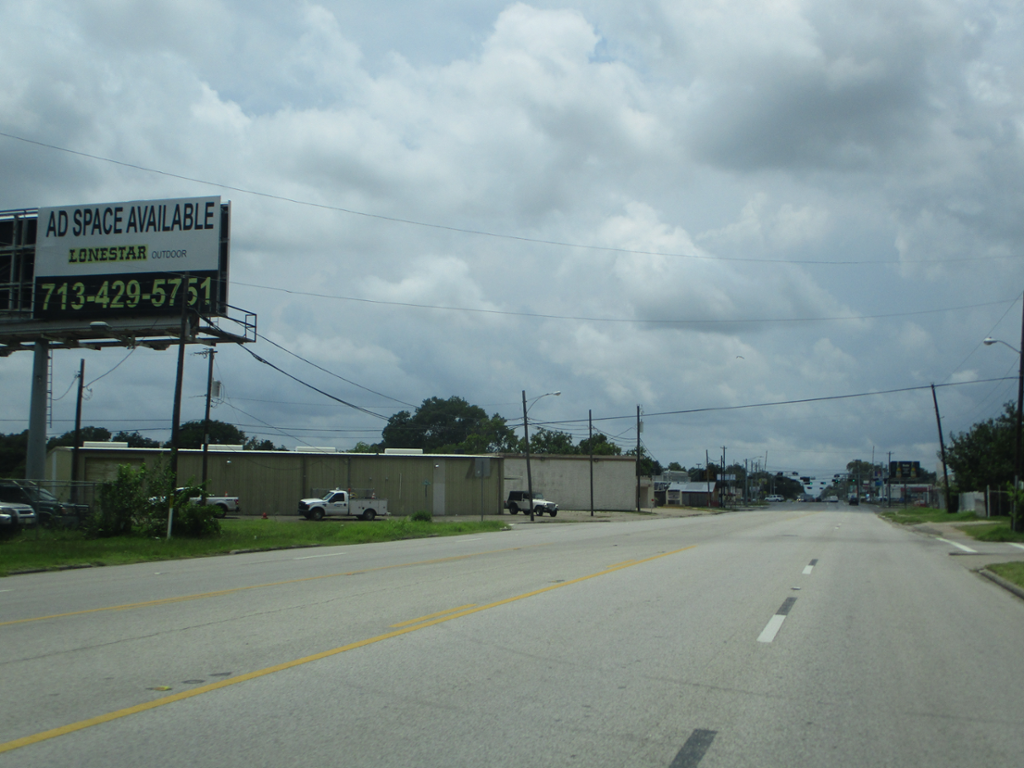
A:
x,y
997,579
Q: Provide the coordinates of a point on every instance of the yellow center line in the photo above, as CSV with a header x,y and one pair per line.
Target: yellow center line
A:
x,y
118,714
222,592
431,616
624,562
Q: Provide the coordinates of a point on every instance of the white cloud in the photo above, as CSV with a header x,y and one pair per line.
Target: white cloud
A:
x,y
780,155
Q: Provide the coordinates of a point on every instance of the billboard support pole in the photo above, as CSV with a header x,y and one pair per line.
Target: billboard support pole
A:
x,y
35,456
176,418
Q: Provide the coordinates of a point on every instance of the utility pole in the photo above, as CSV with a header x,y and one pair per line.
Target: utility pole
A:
x,y
206,419
639,426
707,474
722,486
888,481
590,442
78,433
529,476
942,447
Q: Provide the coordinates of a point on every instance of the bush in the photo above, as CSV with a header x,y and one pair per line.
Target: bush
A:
x,y
423,516
119,503
194,521
137,502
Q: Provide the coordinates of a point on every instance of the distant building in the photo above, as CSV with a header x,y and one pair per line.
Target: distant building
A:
x,y
688,495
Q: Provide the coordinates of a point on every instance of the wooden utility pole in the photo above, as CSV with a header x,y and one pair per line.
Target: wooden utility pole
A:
x,y
590,430
942,447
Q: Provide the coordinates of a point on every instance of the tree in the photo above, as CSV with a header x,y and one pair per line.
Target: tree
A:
x,y
675,466
13,448
190,434
787,486
364,447
552,442
599,445
90,434
983,456
648,466
492,436
135,440
255,444
448,426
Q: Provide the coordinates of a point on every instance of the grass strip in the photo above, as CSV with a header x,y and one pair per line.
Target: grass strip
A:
x,y
1012,572
996,531
916,515
43,549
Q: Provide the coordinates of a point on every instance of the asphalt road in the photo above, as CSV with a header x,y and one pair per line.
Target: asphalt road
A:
x,y
803,636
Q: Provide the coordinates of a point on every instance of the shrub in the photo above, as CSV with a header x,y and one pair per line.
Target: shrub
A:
x,y
423,516
118,503
195,521
137,502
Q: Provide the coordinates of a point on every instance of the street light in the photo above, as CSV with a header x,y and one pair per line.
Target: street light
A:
x,y
526,435
990,341
1017,523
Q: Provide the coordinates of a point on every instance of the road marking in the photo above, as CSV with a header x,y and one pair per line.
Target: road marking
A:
x,y
958,546
222,592
1012,544
329,554
775,623
432,615
146,706
810,567
693,750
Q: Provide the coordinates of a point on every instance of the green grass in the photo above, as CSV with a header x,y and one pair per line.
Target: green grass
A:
x,y
915,515
1012,572
51,550
997,531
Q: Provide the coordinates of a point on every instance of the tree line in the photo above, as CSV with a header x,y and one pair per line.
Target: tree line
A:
x,y
13,447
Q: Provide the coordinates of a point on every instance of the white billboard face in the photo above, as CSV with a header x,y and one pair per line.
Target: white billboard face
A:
x,y
180,235
117,259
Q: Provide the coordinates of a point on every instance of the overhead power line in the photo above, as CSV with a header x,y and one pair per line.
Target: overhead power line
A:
x,y
315,389
786,402
331,373
633,321
485,233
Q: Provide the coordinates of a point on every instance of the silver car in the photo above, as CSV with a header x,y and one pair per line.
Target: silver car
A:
x,y
14,516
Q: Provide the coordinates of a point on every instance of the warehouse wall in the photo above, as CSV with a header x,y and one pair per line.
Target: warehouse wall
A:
x,y
274,481
565,480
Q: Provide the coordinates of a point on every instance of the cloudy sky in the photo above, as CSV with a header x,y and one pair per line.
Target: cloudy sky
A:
x,y
683,206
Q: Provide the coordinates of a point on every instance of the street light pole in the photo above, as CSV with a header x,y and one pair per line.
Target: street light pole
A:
x,y
526,436
529,477
1017,521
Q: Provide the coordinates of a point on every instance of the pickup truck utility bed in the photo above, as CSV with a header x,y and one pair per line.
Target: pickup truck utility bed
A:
x,y
338,502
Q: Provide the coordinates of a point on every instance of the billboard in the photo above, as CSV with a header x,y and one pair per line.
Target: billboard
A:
x,y
131,258
904,470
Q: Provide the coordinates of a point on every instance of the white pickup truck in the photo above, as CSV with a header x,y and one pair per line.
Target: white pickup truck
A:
x,y
224,503
337,502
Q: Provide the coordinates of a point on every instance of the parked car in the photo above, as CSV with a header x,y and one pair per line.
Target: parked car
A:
x,y
519,501
774,497
15,516
49,510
